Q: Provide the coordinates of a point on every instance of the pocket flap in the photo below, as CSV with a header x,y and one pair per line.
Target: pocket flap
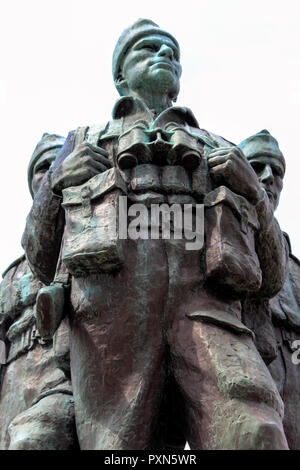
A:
x,y
237,203
94,188
222,319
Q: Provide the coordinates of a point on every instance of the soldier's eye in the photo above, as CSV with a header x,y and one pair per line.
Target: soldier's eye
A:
x,y
257,167
277,172
150,47
43,168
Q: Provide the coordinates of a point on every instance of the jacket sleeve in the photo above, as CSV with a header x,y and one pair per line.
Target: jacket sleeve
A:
x,y
272,249
45,224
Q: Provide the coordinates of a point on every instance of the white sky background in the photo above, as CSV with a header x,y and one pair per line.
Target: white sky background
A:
x,y
241,74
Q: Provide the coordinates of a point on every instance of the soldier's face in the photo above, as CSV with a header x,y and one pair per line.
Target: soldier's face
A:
x,y
270,172
40,168
152,64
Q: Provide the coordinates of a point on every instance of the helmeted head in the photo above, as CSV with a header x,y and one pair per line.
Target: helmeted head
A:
x,y
146,57
267,160
44,154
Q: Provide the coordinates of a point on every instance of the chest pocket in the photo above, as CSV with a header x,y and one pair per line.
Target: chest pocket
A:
x,y
91,241
19,289
230,226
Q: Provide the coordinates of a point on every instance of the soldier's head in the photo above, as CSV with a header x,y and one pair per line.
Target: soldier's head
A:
x,y
44,154
146,59
267,160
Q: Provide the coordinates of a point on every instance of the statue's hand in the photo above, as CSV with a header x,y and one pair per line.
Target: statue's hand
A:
x,y
229,166
83,163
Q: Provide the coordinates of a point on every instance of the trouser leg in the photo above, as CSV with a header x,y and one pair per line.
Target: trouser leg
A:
x,y
117,350
232,400
47,425
12,400
286,375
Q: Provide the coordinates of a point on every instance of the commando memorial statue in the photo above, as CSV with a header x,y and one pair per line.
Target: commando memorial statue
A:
x,y
158,302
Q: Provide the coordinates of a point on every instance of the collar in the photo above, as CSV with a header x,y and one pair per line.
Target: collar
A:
x,y
127,106
128,110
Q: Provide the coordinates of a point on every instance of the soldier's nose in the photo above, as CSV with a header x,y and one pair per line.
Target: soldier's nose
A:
x,y
166,51
267,176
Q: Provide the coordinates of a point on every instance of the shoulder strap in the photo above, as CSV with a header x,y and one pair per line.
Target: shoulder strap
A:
x,y
62,275
80,135
95,132
90,134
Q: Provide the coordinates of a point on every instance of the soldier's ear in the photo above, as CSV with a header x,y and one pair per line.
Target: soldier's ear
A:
x,y
121,85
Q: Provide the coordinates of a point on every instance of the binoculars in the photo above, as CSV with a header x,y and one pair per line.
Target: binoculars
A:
x,y
171,145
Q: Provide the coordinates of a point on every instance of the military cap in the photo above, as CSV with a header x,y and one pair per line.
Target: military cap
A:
x,y
263,143
47,142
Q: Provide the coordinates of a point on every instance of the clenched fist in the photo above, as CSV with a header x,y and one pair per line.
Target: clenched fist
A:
x,y
229,166
83,163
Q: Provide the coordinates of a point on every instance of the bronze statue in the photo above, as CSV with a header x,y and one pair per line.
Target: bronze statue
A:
x,y
276,322
36,403
149,319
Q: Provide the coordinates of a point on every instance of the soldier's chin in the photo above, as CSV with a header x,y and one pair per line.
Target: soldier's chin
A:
x,y
164,79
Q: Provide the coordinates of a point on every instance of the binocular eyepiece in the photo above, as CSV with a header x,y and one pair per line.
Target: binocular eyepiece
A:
x,y
172,145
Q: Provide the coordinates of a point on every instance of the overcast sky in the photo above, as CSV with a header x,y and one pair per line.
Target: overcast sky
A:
x,y
241,74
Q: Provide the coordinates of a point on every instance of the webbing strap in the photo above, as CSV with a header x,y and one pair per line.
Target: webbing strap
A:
x,y
62,275
80,135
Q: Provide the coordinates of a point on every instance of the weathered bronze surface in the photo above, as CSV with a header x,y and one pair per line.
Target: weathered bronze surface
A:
x,y
166,344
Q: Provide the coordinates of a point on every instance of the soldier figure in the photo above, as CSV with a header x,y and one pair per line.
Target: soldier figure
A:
x,y
36,403
276,322
145,314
